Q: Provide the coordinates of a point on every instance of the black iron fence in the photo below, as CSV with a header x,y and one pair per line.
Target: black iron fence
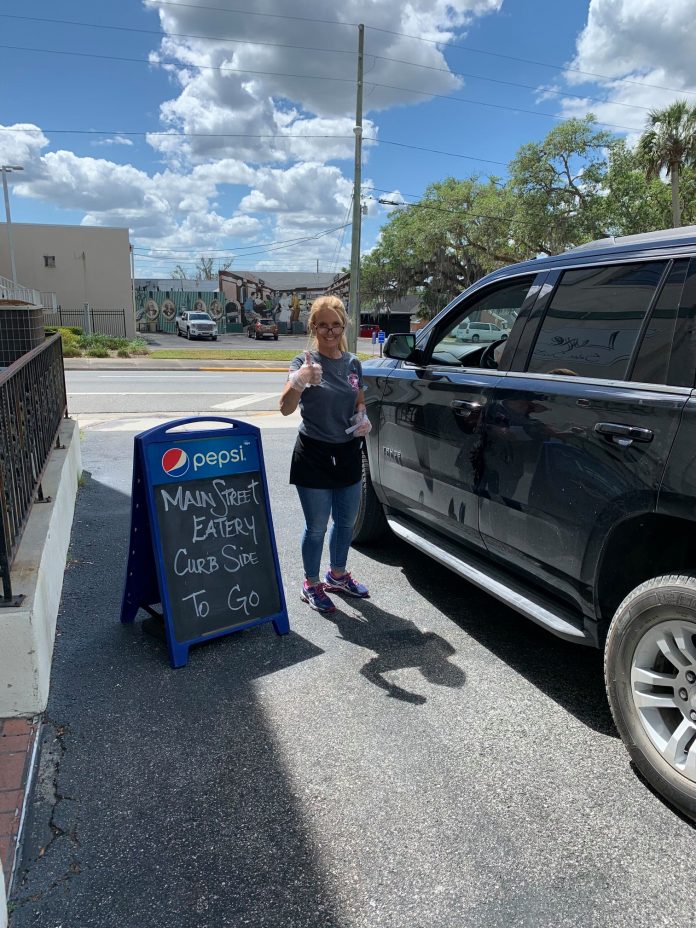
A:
x,y
99,321
32,404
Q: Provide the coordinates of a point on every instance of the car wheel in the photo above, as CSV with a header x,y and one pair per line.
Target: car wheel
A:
x,y
188,334
370,523
258,337
178,332
475,338
214,337
275,338
650,672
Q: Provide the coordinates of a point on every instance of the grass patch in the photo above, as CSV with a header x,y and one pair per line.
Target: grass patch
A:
x,y
221,354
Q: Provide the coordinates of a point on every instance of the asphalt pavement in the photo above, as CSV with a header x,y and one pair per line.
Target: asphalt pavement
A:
x,y
424,758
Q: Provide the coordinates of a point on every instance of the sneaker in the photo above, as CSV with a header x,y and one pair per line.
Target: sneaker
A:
x,y
316,598
345,584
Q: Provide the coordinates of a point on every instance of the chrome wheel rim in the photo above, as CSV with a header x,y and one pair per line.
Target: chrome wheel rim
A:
x,y
663,686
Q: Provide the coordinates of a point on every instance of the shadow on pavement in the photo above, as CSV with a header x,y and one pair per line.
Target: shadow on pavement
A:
x,y
399,644
161,797
572,675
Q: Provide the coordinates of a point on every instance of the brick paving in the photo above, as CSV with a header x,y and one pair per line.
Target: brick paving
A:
x,y
17,738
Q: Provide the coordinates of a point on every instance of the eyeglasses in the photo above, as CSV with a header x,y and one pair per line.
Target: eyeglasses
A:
x,y
325,329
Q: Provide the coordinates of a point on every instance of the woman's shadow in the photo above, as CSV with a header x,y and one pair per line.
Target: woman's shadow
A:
x,y
398,644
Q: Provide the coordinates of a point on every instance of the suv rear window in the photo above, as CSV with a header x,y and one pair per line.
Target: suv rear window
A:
x,y
594,318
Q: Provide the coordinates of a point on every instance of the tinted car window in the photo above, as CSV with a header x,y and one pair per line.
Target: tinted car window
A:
x,y
594,318
654,354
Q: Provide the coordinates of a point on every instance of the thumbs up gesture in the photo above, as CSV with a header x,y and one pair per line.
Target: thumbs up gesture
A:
x,y
307,376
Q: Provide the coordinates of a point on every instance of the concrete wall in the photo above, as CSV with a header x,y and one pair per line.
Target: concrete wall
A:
x,y
27,632
92,264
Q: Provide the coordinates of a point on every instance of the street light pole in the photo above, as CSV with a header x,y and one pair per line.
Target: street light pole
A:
x,y
6,169
354,291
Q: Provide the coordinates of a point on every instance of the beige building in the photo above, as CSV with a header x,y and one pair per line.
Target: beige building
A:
x,y
80,264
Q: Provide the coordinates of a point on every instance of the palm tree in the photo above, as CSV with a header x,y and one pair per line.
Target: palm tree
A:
x,y
668,144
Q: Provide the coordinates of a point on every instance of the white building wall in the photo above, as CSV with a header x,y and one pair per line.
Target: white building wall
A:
x,y
92,264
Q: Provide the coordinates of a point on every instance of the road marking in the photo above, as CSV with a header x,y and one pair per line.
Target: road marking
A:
x,y
245,400
158,393
116,422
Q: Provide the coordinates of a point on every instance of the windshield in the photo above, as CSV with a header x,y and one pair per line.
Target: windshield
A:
x,y
202,316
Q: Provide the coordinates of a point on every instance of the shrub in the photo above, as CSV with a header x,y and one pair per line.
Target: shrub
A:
x,y
71,351
107,342
123,353
97,352
138,346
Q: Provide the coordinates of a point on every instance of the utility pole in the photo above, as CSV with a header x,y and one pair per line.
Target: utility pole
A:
x,y
6,169
354,292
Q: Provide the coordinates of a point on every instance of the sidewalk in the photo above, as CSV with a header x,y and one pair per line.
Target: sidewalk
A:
x,y
18,740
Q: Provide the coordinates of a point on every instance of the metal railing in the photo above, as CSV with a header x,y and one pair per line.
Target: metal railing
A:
x,y
32,403
12,291
97,321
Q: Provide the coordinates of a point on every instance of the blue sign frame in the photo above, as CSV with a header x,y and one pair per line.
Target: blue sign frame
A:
x,y
161,454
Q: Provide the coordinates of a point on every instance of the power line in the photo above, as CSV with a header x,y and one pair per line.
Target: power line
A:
x,y
217,9
542,64
319,77
419,38
248,254
334,51
245,135
201,67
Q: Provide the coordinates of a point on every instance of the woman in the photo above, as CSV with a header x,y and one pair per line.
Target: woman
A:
x,y
326,383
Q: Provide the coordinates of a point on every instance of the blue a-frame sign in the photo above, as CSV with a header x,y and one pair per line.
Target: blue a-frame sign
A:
x,y
201,540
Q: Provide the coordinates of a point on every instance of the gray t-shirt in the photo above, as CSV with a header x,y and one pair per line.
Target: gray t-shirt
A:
x,y
327,407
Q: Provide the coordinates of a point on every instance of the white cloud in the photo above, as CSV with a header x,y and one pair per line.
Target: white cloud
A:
x,y
116,140
642,52
271,118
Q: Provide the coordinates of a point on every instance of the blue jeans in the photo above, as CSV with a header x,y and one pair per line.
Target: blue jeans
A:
x,y
317,505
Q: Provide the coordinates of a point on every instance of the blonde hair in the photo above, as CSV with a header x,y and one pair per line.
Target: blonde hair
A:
x,y
333,303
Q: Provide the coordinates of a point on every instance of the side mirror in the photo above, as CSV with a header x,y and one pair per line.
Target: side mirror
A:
x,y
400,346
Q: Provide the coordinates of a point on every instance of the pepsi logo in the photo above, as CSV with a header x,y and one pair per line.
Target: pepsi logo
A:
x,y
175,462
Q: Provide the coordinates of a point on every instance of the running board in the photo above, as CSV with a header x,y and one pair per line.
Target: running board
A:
x,y
491,580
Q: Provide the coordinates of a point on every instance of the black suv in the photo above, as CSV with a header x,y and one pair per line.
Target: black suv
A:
x,y
555,469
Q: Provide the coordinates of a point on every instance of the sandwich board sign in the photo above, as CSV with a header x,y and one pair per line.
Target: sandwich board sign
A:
x,y
201,538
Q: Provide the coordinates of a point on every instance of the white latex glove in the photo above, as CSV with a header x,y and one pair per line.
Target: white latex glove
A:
x,y
307,376
361,425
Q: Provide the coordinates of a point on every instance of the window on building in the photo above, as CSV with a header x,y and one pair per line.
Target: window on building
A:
x,y
49,260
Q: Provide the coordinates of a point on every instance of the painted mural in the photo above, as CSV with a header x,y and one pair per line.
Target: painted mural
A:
x,y
157,309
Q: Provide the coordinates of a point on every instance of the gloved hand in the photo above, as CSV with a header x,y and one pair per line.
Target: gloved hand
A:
x,y
307,376
360,424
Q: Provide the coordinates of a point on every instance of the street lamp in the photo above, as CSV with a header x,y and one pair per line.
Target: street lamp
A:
x,y
6,169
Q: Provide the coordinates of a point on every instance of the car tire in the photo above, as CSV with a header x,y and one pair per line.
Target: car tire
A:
x,y
275,338
650,673
258,337
178,332
475,338
188,334
370,523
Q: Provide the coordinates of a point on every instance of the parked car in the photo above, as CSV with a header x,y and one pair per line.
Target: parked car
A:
x,y
196,325
263,328
555,469
366,331
472,331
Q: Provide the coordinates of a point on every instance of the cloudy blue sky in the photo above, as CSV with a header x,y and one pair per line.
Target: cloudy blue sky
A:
x,y
224,127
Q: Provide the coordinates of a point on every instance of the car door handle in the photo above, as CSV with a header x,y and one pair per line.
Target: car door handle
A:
x,y
465,407
623,435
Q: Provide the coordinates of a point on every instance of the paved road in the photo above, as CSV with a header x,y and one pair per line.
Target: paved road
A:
x,y
172,392
425,758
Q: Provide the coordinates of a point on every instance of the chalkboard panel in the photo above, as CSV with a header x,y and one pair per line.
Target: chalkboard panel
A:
x,y
217,554
201,518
